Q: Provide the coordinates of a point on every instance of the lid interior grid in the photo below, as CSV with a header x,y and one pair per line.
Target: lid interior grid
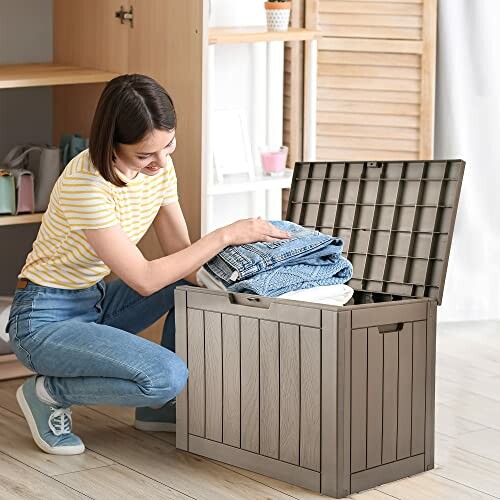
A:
x,y
396,219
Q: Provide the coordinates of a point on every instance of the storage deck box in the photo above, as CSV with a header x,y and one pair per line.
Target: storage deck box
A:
x,y
333,399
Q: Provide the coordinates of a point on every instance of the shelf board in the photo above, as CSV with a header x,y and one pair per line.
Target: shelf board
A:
x,y
218,36
13,220
244,185
43,74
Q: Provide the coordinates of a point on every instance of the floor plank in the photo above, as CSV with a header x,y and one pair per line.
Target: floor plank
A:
x,y
485,443
428,486
117,482
16,441
159,460
18,481
296,491
468,405
127,416
450,424
465,468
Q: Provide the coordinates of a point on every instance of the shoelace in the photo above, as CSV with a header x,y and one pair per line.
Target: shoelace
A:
x,y
60,421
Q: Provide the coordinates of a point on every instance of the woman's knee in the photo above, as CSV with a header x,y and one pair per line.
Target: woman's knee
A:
x,y
169,378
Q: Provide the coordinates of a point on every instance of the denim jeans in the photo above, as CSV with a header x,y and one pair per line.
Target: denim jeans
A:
x,y
85,343
307,259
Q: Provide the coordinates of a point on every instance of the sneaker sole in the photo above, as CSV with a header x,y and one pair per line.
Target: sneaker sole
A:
x,y
154,426
53,450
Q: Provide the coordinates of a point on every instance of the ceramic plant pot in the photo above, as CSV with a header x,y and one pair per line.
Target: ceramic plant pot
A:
x,y
278,15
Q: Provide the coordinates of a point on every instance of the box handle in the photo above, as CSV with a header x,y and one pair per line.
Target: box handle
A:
x,y
249,300
394,327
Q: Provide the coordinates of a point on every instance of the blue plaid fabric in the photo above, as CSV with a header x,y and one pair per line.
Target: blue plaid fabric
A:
x,y
308,259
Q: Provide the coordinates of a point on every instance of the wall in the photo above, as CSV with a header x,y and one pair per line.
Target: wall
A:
x,y
467,127
25,114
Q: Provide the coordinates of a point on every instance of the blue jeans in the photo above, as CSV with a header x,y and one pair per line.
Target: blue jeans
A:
x,y
85,343
307,259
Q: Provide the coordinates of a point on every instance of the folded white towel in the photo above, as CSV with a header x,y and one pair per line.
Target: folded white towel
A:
x,y
336,295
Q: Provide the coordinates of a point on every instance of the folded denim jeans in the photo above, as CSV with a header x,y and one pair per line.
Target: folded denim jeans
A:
x,y
307,259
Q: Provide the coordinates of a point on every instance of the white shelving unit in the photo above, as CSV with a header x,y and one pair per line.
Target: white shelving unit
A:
x,y
267,57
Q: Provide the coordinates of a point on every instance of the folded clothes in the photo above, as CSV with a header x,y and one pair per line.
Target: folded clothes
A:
x,y
336,295
307,259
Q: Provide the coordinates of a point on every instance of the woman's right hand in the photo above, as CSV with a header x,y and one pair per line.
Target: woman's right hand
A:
x,y
250,231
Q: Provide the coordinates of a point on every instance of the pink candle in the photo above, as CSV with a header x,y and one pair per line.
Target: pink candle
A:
x,y
274,161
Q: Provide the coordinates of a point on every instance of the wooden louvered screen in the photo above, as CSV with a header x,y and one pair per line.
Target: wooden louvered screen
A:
x,y
375,95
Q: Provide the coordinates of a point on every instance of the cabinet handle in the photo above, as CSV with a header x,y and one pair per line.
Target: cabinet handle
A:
x,y
123,15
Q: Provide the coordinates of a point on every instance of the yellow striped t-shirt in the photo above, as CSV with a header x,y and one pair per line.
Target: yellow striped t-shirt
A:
x,y
82,199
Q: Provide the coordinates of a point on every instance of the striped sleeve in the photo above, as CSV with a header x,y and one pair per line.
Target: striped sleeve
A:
x,y
170,192
86,202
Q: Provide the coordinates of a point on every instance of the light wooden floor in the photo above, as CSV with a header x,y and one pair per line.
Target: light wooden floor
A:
x,y
122,463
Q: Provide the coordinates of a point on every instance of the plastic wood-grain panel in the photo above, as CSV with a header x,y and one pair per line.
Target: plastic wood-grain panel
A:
x,y
359,365
290,393
310,398
250,384
390,397
269,389
418,388
375,398
213,374
404,391
231,380
196,381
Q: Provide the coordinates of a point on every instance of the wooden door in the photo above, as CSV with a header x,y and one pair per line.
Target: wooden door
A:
x,y
86,34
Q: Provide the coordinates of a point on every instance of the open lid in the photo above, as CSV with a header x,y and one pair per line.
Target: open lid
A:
x,y
396,219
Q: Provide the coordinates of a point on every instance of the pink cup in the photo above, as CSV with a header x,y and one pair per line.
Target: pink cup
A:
x,y
274,160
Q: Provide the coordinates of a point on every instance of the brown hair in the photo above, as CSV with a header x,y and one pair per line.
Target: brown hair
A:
x,y
130,107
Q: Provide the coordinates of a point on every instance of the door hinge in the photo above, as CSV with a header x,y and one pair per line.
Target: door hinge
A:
x,y
123,15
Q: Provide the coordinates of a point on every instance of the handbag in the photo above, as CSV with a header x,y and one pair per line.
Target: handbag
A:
x,y
5,303
25,185
71,146
46,168
7,193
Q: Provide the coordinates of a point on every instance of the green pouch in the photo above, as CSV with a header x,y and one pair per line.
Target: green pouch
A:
x,y
7,193
72,145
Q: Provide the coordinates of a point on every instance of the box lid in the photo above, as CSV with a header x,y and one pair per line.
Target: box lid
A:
x,y
396,219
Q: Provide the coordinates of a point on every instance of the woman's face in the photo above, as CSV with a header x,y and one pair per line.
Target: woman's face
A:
x,y
148,156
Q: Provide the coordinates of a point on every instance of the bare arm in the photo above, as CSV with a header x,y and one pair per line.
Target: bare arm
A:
x,y
172,232
115,249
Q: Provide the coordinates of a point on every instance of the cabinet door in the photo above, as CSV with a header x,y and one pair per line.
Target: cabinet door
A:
x,y
86,34
167,43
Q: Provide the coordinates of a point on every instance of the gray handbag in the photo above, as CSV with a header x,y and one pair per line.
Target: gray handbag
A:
x,y
45,164
5,303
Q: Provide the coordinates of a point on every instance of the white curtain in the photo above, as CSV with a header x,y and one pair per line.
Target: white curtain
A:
x,y
468,127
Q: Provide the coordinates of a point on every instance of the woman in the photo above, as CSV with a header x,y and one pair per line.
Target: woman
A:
x,y
78,333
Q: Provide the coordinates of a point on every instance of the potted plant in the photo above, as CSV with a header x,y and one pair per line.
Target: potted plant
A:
x,y
278,14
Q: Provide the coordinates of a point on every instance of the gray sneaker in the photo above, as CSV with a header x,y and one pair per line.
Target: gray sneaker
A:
x,y
151,419
50,425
